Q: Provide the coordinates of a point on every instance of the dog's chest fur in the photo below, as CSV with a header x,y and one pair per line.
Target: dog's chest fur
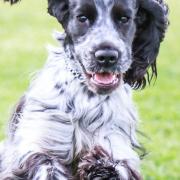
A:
x,y
67,118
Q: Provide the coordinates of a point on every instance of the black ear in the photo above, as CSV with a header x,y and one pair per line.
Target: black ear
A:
x,y
12,1
151,23
60,10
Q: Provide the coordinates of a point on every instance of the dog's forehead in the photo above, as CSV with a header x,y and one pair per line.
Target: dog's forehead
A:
x,y
104,4
110,3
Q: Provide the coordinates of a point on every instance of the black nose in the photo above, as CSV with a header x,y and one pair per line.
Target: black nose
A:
x,y
106,57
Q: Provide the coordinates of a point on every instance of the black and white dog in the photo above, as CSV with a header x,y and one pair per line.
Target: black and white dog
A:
x,y
77,120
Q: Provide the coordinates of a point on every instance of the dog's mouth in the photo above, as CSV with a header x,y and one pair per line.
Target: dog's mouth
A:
x,y
104,82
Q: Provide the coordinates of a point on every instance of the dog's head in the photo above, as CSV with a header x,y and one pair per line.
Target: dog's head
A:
x,y
112,39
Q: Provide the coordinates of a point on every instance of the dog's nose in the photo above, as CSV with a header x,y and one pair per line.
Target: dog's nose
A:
x,y
107,57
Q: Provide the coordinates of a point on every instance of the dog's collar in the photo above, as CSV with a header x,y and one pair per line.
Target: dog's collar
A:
x,y
71,65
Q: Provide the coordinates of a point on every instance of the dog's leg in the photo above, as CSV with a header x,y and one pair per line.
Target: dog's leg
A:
x,y
38,166
109,163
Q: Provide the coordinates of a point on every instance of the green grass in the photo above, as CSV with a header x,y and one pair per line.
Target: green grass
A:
x,y
26,29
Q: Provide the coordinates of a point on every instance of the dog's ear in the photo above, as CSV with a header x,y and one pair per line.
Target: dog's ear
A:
x,y
151,23
12,1
60,10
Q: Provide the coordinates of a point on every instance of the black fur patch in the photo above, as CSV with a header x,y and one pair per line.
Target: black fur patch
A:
x,y
12,1
152,22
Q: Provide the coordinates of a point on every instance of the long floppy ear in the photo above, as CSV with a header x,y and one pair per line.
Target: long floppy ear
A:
x,y
152,23
12,1
60,10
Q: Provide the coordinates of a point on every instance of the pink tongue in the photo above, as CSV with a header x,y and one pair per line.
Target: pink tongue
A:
x,y
104,78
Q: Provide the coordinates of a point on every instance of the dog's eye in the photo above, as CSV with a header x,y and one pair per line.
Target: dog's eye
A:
x,y
123,19
82,18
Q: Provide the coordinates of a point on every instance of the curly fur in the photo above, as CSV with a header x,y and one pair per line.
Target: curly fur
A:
x,y
65,128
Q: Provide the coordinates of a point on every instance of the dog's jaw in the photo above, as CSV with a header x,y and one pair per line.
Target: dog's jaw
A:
x,y
97,82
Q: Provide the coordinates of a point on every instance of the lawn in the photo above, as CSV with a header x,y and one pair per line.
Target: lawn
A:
x,y
25,30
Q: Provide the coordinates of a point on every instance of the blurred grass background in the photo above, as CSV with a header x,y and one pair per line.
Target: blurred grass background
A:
x,y
26,28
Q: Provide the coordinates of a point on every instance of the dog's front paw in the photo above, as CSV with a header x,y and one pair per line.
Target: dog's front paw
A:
x,y
97,165
100,172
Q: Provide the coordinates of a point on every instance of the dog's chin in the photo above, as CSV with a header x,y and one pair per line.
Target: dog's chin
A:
x,y
103,83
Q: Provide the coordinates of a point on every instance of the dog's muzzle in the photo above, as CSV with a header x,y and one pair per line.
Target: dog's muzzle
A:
x,y
105,81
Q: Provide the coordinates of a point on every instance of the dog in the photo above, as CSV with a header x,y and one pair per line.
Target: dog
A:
x,y
77,119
